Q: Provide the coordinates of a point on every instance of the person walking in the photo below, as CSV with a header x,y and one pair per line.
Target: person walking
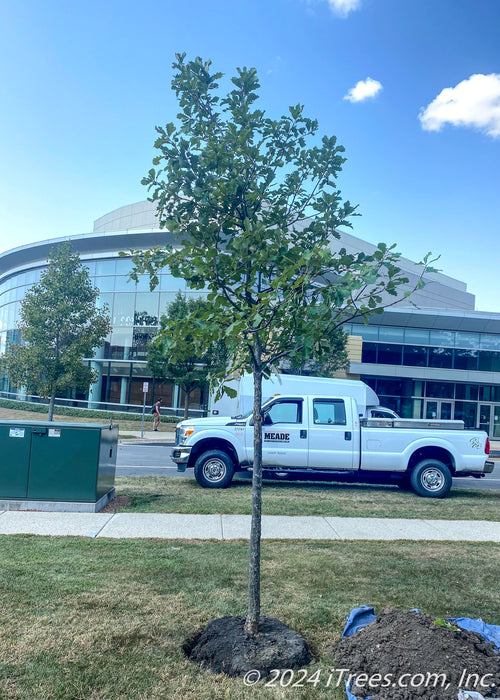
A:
x,y
157,415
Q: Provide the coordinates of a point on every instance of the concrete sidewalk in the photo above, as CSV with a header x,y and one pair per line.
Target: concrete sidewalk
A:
x,y
150,436
230,527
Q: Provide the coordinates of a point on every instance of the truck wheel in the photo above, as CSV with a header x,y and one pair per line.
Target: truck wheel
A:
x,y
431,478
214,469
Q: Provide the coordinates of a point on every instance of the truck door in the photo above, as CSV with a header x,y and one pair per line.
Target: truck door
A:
x,y
331,435
285,434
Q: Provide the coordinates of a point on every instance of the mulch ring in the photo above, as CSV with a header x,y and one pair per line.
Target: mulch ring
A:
x,y
405,655
223,646
116,503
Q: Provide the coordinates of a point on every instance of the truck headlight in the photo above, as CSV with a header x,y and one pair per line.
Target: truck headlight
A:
x,y
183,432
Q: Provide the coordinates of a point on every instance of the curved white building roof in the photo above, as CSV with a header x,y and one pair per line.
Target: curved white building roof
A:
x,y
135,227
132,217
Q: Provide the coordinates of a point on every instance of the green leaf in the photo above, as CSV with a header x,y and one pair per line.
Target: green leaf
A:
x,y
232,393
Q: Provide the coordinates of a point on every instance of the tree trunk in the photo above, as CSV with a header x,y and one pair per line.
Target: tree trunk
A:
x,y
51,407
252,621
186,404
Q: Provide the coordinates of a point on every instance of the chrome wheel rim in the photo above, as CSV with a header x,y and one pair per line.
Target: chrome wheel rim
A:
x,y
432,479
214,470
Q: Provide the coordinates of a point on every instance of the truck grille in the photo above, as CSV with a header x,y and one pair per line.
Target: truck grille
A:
x,y
177,435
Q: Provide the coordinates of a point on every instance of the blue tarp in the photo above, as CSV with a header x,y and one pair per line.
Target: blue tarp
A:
x,y
364,615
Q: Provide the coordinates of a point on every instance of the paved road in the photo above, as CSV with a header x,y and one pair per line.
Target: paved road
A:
x,y
153,459
148,459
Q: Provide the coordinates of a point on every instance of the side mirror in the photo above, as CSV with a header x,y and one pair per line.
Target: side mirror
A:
x,y
267,419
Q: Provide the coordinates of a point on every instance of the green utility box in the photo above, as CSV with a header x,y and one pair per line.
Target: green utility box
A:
x,y
48,463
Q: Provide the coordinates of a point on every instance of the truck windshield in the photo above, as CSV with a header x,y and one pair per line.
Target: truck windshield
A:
x,y
244,416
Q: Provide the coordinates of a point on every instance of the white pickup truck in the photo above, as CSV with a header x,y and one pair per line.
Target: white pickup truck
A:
x,y
318,435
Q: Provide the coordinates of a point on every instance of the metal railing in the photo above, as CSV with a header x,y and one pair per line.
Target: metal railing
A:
x,y
108,406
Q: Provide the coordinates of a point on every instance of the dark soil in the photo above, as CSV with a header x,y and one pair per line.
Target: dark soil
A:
x,y
224,647
116,503
406,642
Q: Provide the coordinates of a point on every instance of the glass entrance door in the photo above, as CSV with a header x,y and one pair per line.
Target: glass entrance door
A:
x,y
445,413
496,422
431,409
438,410
484,418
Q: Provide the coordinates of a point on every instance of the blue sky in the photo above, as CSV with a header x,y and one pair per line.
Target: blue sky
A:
x,y
82,85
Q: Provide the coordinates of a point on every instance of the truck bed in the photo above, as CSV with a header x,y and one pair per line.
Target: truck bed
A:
x,y
416,423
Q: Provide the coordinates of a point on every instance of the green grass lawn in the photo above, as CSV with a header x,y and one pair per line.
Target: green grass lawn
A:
x,y
101,619
184,495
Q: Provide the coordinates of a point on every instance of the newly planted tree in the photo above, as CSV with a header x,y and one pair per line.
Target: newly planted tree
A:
x,y
60,326
255,207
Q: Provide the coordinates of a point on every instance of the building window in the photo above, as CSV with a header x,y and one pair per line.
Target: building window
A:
x,y
391,335
465,359
146,309
123,309
466,340
105,284
439,390
165,390
489,342
369,353
415,356
416,336
489,361
391,387
196,399
486,393
389,354
105,267
442,338
440,357
469,392
466,412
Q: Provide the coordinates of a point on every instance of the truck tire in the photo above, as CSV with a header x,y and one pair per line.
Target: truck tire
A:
x,y
214,469
431,478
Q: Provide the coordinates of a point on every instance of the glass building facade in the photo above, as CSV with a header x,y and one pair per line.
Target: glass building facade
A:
x,y
121,362
440,360
434,374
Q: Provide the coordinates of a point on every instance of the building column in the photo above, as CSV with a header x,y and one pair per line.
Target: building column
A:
x,y
123,390
176,397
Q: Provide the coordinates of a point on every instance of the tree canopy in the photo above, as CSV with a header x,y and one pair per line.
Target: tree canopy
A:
x,y
60,326
256,208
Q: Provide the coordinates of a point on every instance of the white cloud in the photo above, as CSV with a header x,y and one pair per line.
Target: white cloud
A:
x,y
363,90
474,102
343,7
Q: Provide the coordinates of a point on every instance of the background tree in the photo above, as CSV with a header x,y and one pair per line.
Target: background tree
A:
x,y
182,355
60,326
325,365
254,204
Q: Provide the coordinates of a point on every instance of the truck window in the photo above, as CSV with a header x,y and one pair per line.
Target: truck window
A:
x,y
286,412
381,414
329,412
